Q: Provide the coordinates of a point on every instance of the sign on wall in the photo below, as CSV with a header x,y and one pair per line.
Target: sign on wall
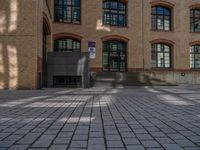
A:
x,y
92,49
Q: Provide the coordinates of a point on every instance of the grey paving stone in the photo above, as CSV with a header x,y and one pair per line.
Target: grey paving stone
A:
x,y
135,147
77,149
25,141
125,119
58,147
185,143
150,144
54,132
3,135
176,136
44,141
93,141
172,147
23,132
127,134
96,134
116,148
131,141
139,131
18,147
195,139
115,144
157,134
65,134
165,140
155,148
81,132
14,137
192,148
62,141
78,144
96,147
78,137
6,144
144,137
113,137
37,149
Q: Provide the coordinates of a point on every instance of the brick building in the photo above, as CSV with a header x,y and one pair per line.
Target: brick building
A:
x,y
158,38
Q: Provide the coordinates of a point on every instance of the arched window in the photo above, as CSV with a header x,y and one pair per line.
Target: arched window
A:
x,y
67,11
161,18
114,56
161,55
67,45
114,13
195,57
195,20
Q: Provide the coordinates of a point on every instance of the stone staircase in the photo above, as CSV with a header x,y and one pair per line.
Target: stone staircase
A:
x,y
115,79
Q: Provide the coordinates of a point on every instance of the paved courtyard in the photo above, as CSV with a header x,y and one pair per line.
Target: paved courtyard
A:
x,y
133,118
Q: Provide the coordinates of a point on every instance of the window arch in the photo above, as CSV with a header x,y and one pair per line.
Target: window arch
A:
x,y
161,18
195,20
114,13
67,45
115,56
68,11
161,55
195,56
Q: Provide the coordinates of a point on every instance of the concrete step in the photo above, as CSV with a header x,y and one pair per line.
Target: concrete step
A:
x,y
115,79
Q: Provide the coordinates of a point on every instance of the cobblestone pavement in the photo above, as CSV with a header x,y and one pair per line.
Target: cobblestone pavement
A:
x,y
134,118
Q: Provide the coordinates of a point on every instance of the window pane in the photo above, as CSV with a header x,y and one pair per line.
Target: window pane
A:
x,y
195,20
114,56
68,45
160,56
195,57
67,11
160,18
114,13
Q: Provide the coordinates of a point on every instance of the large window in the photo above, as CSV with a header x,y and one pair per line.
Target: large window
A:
x,y
114,13
67,11
161,56
67,45
161,18
195,20
195,57
114,56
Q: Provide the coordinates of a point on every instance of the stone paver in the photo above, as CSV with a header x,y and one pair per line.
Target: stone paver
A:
x,y
130,118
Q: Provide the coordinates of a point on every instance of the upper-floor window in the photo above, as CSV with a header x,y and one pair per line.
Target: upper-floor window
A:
x,y
161,18
67,11
161,55
195,20
114,13
67,45
195,57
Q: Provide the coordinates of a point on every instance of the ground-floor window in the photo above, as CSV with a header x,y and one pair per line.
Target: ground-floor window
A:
x,y
67,45
195,57
161,56
114,56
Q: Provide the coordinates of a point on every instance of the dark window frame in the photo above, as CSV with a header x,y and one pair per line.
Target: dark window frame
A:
x,y
107,44
163,16
74,41
196,48
64,7
193,17
111,13
156,52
